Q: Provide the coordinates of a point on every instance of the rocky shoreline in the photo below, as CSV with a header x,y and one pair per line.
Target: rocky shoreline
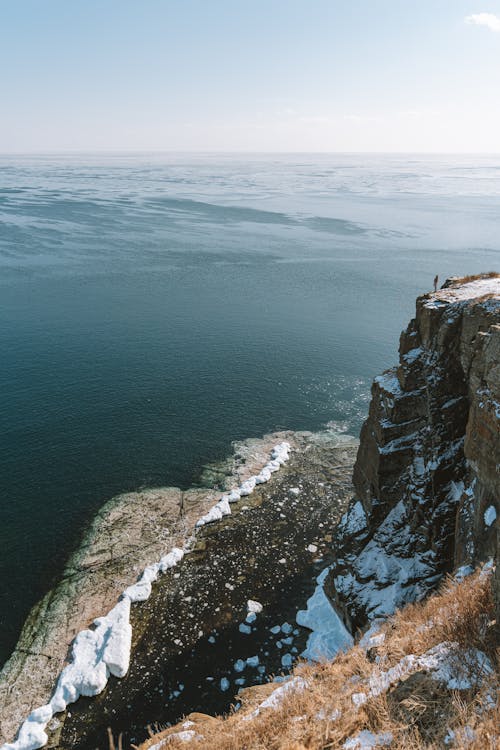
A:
x,y
134,529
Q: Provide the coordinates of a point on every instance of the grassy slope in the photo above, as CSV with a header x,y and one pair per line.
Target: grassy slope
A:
x,y
416,709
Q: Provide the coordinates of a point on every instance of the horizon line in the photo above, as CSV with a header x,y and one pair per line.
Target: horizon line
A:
x,y
120,152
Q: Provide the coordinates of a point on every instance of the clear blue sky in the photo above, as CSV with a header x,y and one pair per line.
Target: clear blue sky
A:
x,y
287,75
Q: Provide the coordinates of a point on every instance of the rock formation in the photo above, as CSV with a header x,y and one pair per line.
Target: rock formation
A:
x,y
427,474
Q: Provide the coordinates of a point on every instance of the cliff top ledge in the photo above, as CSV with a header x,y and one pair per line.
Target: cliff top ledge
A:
x,y
460,289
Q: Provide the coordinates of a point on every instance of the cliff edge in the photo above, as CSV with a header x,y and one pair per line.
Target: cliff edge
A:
x,y
427,474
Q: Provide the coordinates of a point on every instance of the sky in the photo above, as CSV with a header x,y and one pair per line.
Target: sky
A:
x,y
250,75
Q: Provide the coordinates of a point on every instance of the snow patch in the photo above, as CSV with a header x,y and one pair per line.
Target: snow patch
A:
x,y
490,515
366,740
105,650
276,698
329,634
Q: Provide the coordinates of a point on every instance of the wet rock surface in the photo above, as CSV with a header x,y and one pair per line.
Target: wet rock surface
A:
x,y
194,625
194,644
426,475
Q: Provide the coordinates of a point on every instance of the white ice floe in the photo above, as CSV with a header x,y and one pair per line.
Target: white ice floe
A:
x,y
253,606
490,515
329,635
105,650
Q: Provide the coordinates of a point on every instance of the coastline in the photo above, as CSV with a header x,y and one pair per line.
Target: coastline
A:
x,y
128,533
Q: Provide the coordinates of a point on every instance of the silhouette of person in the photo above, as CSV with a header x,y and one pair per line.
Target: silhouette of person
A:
x,y
436,280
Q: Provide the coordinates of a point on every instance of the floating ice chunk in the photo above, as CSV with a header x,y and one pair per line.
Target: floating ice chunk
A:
x,y
244,628
275,629
286,628
254,606
224,684
253,661
286,660
490,515
239,665
251,617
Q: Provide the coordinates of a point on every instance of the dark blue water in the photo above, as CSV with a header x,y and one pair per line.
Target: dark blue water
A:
x,y
155,308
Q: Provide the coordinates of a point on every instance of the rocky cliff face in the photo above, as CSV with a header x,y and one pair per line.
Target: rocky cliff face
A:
x,y
427,475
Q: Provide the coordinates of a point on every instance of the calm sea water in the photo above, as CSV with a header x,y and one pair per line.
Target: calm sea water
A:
x,y
153,308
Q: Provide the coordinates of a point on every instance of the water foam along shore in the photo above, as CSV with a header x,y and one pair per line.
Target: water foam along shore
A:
x,y
105,650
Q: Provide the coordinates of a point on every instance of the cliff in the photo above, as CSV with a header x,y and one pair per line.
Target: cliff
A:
x,y
427,476
427,489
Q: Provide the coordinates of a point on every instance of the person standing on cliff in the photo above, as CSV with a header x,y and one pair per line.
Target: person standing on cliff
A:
x,y
436,280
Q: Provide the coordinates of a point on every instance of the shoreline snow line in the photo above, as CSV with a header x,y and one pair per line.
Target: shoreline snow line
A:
x,y
104,651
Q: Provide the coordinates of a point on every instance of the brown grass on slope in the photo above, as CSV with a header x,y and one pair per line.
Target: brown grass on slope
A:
x,y
413,711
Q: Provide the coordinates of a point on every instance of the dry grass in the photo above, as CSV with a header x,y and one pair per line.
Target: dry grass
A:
x,y
417,710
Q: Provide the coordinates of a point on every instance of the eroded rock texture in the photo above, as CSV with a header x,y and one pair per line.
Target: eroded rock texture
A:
x,y
427,474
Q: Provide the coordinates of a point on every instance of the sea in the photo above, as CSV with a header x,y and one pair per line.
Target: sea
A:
x,y
154,308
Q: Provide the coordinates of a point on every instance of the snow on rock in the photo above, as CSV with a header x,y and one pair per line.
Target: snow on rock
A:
x,y
105,650
353,521
329,634
372,638
455,667
366,740
398,578
276,698
185,735
490,515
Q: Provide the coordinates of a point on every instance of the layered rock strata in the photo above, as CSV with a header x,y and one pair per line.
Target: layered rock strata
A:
x,y
427,474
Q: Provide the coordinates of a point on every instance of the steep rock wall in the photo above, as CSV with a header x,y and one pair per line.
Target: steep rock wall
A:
x,y
427,474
